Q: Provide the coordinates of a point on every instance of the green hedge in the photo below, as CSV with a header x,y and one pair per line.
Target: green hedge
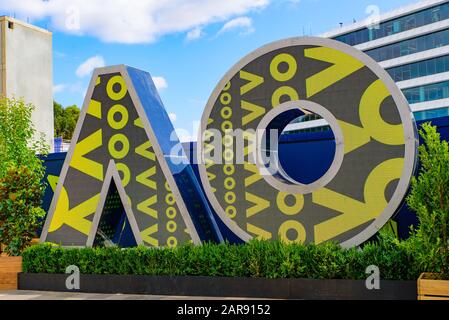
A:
x,y
254,259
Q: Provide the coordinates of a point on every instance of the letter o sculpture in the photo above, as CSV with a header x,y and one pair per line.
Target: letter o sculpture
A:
x,y
375,144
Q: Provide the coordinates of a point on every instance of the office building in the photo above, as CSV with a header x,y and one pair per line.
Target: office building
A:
x,y
412,44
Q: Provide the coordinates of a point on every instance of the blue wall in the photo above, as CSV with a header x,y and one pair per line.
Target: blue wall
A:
x,y
53,165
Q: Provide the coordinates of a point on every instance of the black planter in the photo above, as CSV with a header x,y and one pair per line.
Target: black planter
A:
x,y
223,287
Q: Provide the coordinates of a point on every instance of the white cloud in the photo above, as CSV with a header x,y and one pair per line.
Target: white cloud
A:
x,y
125,21
160,83
89,65
59,54
244,23
194,34
57,88
172,116
78,88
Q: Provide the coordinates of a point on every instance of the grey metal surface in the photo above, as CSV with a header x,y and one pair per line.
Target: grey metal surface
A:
x,y
342,99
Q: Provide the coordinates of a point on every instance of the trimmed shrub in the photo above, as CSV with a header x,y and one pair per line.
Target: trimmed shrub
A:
x,y
254,259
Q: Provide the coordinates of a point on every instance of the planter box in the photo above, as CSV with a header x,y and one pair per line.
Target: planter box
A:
x,y
429,289
10,267
223,286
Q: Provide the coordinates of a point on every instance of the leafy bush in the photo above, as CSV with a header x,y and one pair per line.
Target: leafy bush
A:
x,y
19,141
429,197
20,197
65,120
254,259
21,172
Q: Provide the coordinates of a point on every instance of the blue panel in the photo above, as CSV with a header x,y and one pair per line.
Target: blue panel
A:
x,y
188,185
156,114
53,166
124,237
300,153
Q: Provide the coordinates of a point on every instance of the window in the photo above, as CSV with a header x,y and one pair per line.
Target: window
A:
x,y
431,114
396,27
420,69
430,92
408,22
431,68
439,65
414,72
403,48
435,14
423,69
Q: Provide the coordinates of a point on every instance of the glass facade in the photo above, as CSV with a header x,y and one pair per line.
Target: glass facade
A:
x,y
420,69
429,67
404,48
431,114
419,94
408,22
308,130
419,116
306,117
429,92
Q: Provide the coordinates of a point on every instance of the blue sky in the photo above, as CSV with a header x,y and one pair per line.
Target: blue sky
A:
x,y
187,44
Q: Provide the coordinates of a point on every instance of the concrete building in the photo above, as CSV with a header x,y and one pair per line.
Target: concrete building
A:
x,y
26,69
412,44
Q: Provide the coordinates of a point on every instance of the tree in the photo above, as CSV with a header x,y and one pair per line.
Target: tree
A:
x,y
21,172
65,120
429,197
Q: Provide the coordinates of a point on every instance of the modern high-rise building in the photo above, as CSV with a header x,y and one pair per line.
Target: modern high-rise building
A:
x,y
26,70
412,44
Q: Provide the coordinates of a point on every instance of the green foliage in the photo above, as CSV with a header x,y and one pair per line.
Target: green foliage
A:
x,y
254,259
429,197
19,141
65,120
21,172
20,199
